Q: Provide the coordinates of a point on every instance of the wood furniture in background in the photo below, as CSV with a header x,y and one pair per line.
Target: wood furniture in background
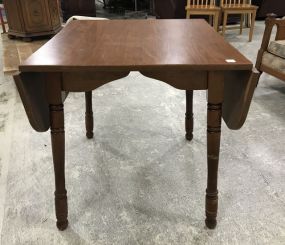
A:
x,y
31,18
175,9
78,7
112,53
129,5
269,6
203,7
271,55
3,22
151,7
170,9
242,7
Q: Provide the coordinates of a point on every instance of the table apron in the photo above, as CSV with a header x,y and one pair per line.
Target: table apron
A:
x,y
87,81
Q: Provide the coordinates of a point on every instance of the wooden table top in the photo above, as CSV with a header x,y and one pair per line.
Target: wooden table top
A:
x,y
136,45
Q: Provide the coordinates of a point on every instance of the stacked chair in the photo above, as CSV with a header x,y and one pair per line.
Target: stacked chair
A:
x,y
242,7
226,8
203,7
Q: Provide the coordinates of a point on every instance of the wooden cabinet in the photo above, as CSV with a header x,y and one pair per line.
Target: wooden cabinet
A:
x,y
78,7
30,18
269,6
170,9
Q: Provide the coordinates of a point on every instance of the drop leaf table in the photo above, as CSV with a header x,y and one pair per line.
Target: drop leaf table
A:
x,y
186,54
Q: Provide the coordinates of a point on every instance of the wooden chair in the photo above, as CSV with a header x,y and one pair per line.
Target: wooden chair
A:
x,y
242,7
2,19
271,55
203,7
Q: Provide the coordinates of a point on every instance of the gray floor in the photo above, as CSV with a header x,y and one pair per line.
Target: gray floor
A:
x,y
139,181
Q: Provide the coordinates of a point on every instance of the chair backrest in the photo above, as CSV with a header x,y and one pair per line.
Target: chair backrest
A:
x,y
207,3
235,2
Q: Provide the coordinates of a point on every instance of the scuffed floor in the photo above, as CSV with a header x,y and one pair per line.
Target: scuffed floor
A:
x,y
138,181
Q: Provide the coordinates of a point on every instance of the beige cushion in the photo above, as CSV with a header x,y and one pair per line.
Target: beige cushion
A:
x,y
273,62
277,48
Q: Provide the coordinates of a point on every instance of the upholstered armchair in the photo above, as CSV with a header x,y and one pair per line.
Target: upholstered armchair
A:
x,y
271,56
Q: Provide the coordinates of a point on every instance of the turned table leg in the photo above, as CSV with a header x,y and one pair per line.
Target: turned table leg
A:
x,y
214,115
58,148
89,115
189,115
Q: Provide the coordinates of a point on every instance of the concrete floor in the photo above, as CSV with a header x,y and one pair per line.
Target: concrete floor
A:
x,y
138,181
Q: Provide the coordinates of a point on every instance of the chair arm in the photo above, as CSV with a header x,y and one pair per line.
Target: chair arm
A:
x,y
280,34
269,23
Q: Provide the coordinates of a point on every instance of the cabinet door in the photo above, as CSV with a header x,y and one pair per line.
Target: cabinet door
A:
x,y
54,13
36,15
14,18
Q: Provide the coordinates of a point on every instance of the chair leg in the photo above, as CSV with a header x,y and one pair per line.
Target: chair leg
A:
x,y
225,22
189,115
89,115
253,15
241,24
248,21
216,21
188,15
211,20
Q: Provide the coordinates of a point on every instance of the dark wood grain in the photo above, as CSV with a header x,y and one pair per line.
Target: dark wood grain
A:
x,y
31,87
185,80
87,81
189,115
214,117
58,148
89,124
238,93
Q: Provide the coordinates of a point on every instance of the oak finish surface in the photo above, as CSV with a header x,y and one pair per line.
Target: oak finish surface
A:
x,y
136,45
103,51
